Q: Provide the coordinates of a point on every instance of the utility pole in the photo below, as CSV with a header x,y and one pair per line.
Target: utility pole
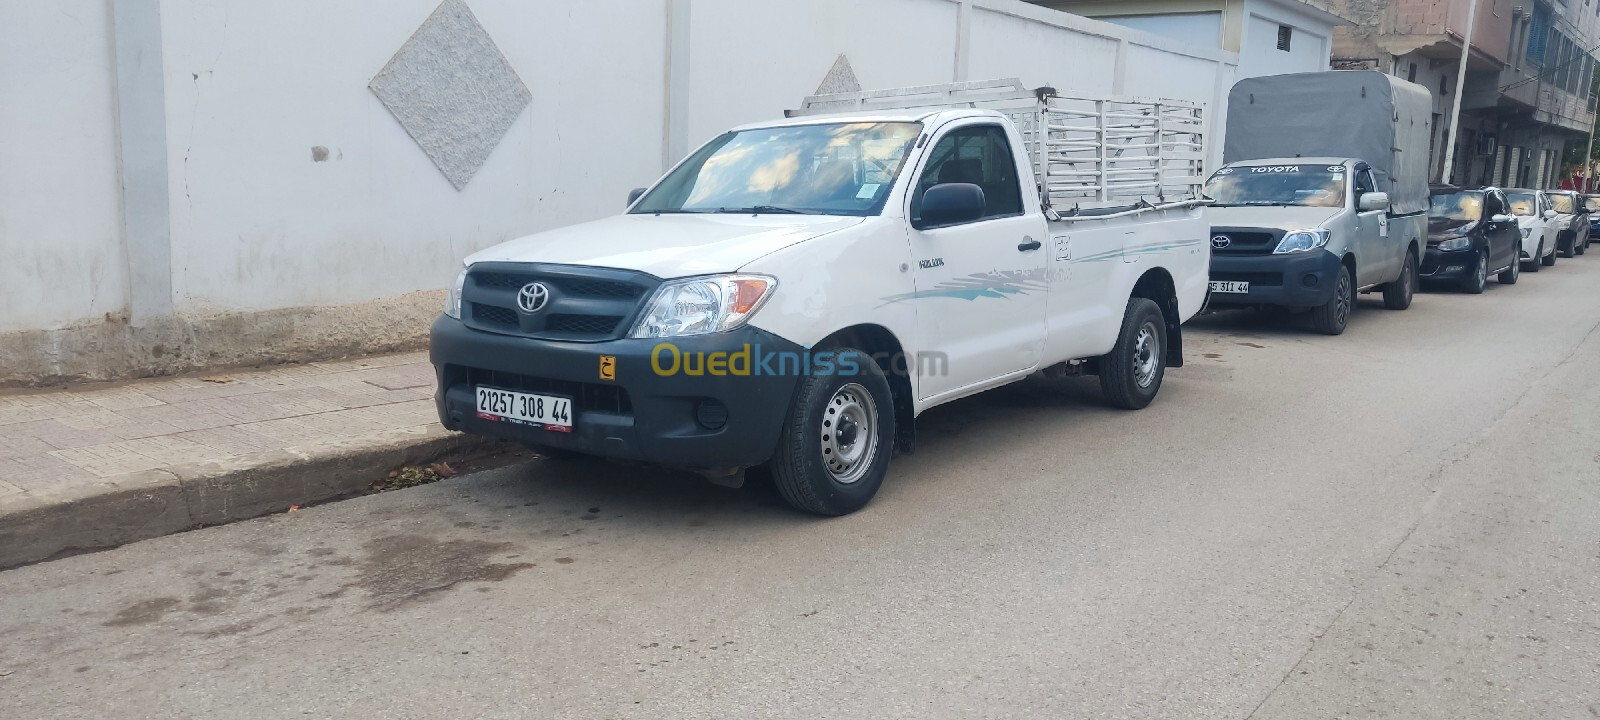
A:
x,y
1588,162
1461,84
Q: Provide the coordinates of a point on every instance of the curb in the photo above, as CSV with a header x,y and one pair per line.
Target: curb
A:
x,y
151,504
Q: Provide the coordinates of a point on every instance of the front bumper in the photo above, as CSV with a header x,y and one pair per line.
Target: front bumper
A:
x,y
1294,280
1448,264
716,421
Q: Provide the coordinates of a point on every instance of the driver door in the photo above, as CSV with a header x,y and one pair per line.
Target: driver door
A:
x,y
980,286
1373,261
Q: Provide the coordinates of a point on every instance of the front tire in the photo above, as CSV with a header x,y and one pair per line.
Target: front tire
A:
x,y
1538,259
1548,260
1397,295
1509,275
1480,275
1333,317
838,438
1131,374
1571,247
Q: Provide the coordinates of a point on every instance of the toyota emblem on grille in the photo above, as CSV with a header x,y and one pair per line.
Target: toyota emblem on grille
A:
x,y
1221,241
533,297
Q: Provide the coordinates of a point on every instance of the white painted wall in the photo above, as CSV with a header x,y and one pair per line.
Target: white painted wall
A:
x,y
61,257
249,89
1198,28
1310,50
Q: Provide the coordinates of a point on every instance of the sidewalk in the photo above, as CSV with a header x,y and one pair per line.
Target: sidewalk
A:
x,y
98,466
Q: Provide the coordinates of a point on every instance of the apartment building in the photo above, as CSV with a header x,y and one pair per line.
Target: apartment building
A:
x,y
1272,37
1527,98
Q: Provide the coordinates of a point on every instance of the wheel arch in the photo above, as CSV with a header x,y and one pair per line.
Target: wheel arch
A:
x,y
1156,286
880,343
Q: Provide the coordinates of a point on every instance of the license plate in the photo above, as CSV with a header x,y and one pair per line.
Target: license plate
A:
x,y
550,412
1218,286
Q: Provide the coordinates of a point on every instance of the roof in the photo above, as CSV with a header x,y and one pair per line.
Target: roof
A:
x,y
1324,160
935,115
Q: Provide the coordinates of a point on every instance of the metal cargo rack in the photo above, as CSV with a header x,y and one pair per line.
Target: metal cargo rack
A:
x,y
1092,156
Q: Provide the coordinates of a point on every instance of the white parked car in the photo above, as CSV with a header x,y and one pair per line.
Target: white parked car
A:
x,y
795,292
1537,221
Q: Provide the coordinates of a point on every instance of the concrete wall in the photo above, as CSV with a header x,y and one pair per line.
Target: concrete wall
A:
x,y
61,256
194,183
1310,47
1190,26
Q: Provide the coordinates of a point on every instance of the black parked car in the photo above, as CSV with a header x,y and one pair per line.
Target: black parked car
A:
x,y
1471,236
1575,239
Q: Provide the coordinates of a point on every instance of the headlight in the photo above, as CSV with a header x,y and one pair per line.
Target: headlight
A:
x,y
452,304
1302,241
1460,242
1526,232
703,305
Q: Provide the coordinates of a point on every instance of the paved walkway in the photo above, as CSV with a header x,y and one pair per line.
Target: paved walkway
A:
x,y
63,443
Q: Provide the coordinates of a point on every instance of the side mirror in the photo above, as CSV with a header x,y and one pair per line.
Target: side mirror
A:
x,y
633,195
1500,219
1373,201
1549,214
951,204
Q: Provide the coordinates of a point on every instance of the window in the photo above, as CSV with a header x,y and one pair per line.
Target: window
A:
x,y
977,154
1411,74
1364,183
1285,37
1444,85
1538,34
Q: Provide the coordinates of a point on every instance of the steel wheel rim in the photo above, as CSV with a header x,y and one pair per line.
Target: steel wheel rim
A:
x,y
1483,269
849,434
1410,270
1146,354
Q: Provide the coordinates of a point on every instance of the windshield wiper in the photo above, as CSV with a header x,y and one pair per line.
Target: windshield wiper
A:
x,y
762,210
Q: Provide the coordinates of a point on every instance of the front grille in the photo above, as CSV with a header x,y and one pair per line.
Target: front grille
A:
x,y
492,315
1246,242
1263,279
585,396
583,324
583,304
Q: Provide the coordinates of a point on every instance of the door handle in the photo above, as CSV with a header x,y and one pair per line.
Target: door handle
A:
x,y
1030,244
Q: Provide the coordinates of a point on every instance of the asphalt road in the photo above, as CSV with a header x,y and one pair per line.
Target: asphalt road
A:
x,y
1401,522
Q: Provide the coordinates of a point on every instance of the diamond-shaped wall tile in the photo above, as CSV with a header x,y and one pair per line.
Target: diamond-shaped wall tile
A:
x,y
453,91
841,78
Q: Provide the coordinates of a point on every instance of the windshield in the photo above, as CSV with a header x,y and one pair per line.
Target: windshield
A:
x,y
1456,206
834,169
1522,204
1592,203
1561,203
1303,185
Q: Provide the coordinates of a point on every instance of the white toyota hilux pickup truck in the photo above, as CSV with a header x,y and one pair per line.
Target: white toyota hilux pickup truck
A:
x,y
795,293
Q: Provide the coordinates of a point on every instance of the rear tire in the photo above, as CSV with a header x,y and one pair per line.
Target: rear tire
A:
x,y
1480,275
1581,247
1549,260
1397,295
1509,275
1130,375
1333,317
838,438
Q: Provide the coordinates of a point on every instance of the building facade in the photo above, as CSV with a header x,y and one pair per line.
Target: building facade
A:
x,y
1528,94
1272,37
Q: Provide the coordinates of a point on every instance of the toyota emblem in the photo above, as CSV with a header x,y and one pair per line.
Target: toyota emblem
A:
x,y
1221,241
533,297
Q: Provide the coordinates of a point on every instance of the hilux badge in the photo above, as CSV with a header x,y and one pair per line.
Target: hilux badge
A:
x,y
532,297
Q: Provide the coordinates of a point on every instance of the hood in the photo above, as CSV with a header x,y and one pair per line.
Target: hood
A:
x,y
667,246
1450,226
1281,218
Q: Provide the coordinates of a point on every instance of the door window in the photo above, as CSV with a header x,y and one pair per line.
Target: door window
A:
x,y
981,155
1364,184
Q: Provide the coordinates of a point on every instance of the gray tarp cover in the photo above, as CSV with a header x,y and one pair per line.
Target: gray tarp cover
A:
x,y
1361,114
